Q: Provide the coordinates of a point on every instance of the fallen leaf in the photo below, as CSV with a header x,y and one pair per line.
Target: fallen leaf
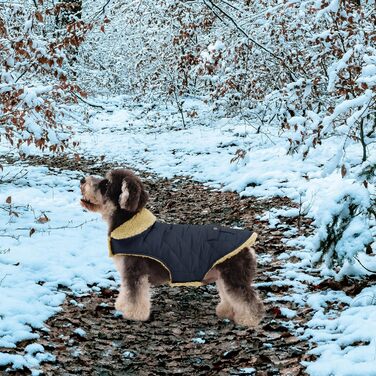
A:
x,y
43,219
343,171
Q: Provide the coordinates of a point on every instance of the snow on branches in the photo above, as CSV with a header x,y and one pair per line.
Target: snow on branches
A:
x,y
305,67
302,72
35,77
344,223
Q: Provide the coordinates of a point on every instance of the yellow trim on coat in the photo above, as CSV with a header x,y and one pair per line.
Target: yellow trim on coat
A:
x,y
149,257
248,243
130,228
137,224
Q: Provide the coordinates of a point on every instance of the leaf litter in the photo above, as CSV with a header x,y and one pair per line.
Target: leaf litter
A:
x,y
183,334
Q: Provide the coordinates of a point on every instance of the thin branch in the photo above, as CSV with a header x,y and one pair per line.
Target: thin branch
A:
x,y
19,175
102,11
368,270
16,237
90,104
215,13
57,228
180,107
20,76
231,6
105,5
281,60
2,279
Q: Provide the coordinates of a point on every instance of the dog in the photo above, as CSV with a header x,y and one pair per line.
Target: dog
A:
x,y
120,197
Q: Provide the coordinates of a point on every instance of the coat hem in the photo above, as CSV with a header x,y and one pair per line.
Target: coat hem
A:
x,y
248,243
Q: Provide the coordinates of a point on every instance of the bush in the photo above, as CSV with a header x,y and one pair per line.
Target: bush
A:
x,y
35,75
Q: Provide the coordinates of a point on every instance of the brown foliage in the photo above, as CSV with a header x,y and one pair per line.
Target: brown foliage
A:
x,y
35,82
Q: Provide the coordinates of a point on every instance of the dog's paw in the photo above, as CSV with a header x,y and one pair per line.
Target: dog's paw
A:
x,y
225,311
120,304
136,312
132,313
249,321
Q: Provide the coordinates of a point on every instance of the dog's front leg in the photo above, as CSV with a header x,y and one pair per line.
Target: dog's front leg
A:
x,y
134,298
122,297
134,295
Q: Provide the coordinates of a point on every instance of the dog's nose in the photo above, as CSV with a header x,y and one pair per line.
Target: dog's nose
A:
x,y
82,181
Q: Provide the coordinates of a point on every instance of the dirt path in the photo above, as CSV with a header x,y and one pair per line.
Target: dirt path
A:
x,y
183,336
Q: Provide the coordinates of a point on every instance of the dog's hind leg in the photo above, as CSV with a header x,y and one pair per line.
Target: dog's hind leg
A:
x,y
224,308
237,274
247,306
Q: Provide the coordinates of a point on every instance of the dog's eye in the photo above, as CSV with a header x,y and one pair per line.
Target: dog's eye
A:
x,y
103,185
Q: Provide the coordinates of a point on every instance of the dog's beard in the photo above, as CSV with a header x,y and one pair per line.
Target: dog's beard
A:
x,y
89,205
86,202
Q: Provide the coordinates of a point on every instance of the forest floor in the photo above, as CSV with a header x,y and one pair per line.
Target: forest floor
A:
x,y
183,335
58,286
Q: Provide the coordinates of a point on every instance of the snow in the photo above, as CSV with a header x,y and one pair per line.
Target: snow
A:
x,y
336,67
33,268
128,354
80,332
247,370
218,45
289,313
198,340
34,348
346,344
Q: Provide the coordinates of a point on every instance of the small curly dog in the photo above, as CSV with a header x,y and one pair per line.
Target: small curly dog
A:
x,y
151,253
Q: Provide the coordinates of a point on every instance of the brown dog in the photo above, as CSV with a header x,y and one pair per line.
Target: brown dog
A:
x,y
120,198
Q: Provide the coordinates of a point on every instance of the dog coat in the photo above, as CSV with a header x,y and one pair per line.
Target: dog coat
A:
x,y
188,252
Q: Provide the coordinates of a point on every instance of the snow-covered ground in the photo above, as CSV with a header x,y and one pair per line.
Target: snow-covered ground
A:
x,y
66,251
62,252
208,151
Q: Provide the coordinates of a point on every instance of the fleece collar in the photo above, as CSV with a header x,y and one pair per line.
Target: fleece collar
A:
x,y
136,225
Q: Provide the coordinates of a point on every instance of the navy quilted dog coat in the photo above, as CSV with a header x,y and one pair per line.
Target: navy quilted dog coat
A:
x,y
188,252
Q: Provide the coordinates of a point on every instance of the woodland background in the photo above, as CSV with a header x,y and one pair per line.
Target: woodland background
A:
x,y
274,100
304,70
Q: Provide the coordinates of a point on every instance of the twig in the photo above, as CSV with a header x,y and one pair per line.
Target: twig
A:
x,y
59,227
180,107
20,76
281,60
215,13
14,177
90,104
1,280
104,6
231,6
16,237
368,270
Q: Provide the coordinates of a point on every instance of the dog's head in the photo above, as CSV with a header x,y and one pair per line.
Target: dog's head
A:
x,y
119,190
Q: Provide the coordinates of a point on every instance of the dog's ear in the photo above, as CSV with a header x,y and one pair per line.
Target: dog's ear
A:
x,y
133,196
124,196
